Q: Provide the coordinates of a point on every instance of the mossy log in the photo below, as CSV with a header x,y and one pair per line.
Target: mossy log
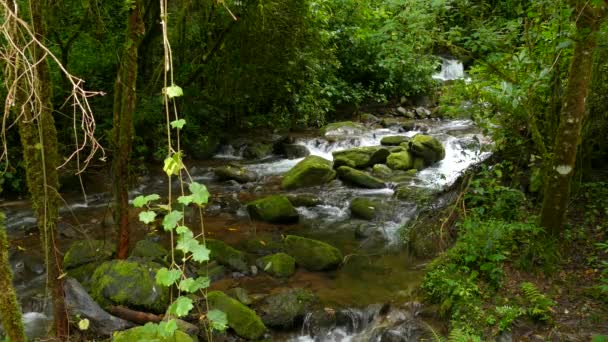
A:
x,y
10,311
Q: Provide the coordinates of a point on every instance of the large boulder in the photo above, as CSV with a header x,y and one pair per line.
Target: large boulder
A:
x,y
279,265
394,140
273,209
234,172
361,157
359,178
151,251
129,283
258,150
88,251
227,256
382,171
294,151
312,254
287,308
427,148
304,200
149,332
364,208
400,160
342,128
244,321
311,171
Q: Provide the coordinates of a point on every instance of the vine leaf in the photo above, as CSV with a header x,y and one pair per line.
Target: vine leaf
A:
x,y
200,253
167,277
167,329
142,200
181,306
174,91
147,217
171,220
192,285
200,194
179,124
185,200
217,319
173,164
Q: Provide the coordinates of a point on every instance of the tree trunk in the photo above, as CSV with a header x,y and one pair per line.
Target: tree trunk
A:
x,y
10,311
559,177
124,107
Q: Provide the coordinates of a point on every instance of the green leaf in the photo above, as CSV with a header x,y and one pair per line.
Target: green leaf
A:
x,y
268,265
179,124
185,200
167,277
167,329
200,194
147,217
171,220
200,253
217,320
192,285
181,306
183,230
173,164
174,91
142,200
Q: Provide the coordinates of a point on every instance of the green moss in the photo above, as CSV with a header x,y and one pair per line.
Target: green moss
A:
x,y
359,178
149,332
10,311
244,321
227,256
382,171
283,309
149,250
237,173
394,140
304,200
84,273
361,157
311,171
279,265
257,150
400,161
364,208
427,148
342,127
274,209
313,254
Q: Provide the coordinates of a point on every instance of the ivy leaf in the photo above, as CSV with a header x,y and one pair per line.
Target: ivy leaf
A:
x,y
183,230
174,91
167,329
167,277
200,253
200,194
142,200
181,306
173,164
171,220
186,243
147,216
185,200
179,124
217,319
192,285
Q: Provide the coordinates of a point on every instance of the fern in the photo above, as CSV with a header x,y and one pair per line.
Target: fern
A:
x,y
540,306
459,335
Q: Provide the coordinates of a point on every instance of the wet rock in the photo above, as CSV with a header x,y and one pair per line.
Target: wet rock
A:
x,y
36,325
287,308
129,283
312,254
361,157
391,122
293,151
427,148
273,209
364,208
279,265
382,171
311,171
202,148
422,112
304,200
263,244
227,256
258,150
80,304
149,333
84,273
214,271
240,294
87,251
394,140
150,251
235,173
369,118
397,149
244,321
400,160
342,128
359,178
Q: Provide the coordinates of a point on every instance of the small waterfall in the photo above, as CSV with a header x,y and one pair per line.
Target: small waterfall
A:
x,y
451,69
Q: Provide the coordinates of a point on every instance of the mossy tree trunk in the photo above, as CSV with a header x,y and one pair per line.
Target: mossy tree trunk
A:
x,y
124,108
10,311
568,135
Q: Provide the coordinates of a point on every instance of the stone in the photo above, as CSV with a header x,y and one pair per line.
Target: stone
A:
x,y
263,244
311,171
422,112
312,254
304,200
240,294
287,308
273,209
80,304
150,251
258,150
364,208
342,128
361,157
400,160
427,148
279,265
294,151
227,256
244,321
359,178
202,148
401,110
149,332
88,251
236,173
369,118
394,140
129,283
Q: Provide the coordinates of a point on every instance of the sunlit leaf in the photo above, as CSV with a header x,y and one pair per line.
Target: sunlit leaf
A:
x,y
167,277
147,217
167,329
185,200
217,320
200,194
192,285
174,91
171,220
179,124
181,306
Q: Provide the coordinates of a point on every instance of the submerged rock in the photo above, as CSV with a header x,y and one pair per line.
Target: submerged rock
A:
x,y
382,171
361,157
294,151
279,265
394,140
244,321
263,244
240,294
287,308
258,150
273,209
149,332
304,200
311,171
364,208
359,178
312,254
427,148
88,251
400,161
227,256
234,172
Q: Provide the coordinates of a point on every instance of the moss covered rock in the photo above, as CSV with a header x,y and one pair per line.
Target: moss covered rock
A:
x,y
361,157
400,161
382,171
263,244
426,147
149,332
394,140
311,171
342,128
286,308
129,283
202,147
279,265
258,150
244,321
150,250
273,209
364,208
88,251
294,151
227,256
84,273
235,172
304,200
312,254
359,178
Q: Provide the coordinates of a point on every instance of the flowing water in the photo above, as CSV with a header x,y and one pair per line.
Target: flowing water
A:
x,y
451,69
